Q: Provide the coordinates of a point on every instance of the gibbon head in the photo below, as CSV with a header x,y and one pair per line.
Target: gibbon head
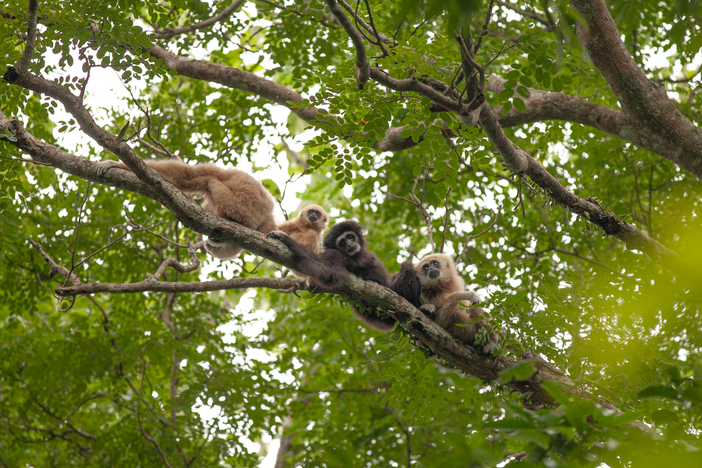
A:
x,y
315,216
435,269
346,237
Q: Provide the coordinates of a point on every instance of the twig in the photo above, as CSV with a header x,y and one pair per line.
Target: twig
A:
x,y
484,31
224,14
446,217
75,237
179,267
375,30
528,14
151,439
475,236
405,431
364,25
25,160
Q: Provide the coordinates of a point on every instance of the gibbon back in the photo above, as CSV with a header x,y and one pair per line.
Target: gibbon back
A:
x,y
229,193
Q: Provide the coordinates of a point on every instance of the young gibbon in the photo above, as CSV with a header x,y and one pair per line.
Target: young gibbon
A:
x,y
307,229
442,289
345,251
229,193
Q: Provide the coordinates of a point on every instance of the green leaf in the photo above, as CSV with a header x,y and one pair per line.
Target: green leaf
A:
x,y
658,391
519,372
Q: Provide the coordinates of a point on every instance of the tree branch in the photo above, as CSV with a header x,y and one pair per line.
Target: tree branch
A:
x,y
29,46
362,64
528,14
154,285
642,100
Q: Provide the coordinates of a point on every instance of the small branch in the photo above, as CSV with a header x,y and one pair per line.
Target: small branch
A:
x,y
179,267
348,390
528,14
381,37
375,30
224,14
362,65
405,431
446,218
55,267
25,160
153,285
26,58
475,236
155,444
484,30
75,237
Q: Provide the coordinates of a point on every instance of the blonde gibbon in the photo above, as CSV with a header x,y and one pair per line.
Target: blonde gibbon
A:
x,y
442,289
229,193
306,229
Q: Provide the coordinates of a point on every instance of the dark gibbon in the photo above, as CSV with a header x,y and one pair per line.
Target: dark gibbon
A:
x,y
345,251
306,228
229,193
442,289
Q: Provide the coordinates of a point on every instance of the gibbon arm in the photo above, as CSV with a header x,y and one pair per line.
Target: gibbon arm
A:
x,y
326,268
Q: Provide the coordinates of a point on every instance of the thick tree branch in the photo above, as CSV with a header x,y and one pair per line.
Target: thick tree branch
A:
x,y
634,238
224,14
641,99
362,64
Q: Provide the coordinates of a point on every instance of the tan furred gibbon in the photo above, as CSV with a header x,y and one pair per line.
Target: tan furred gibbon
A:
x,y
442,289
307,227
229,193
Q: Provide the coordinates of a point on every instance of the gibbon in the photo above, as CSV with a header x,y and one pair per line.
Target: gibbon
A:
x,y
229,193
442,289
345,251
307,229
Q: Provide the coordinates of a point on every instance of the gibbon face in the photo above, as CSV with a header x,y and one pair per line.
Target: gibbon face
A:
x,y
348,243
316,216
434,269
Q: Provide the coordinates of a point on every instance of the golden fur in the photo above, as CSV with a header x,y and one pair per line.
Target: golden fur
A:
x,y
442,289
304,230
229,193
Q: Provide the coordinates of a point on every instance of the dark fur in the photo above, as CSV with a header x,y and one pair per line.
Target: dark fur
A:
x,y
332,267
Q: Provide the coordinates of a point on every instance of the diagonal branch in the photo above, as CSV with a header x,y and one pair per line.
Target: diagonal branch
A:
x,y
641,99
167,33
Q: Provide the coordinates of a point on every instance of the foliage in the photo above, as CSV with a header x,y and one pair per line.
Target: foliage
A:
x,y
197,379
